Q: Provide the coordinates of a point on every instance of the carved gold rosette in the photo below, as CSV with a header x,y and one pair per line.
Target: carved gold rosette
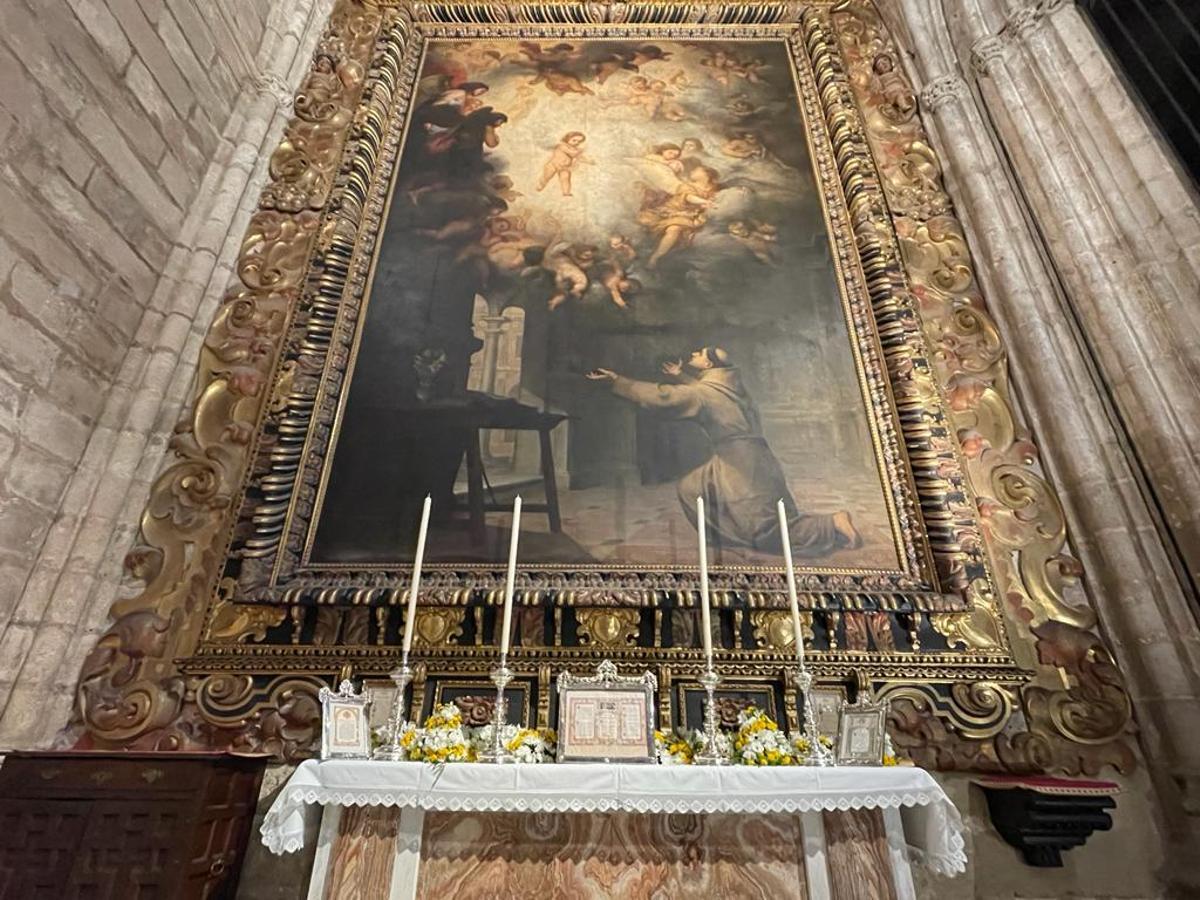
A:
x,y
988,662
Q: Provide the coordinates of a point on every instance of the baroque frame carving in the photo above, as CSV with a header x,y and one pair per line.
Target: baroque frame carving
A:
x,y
179,667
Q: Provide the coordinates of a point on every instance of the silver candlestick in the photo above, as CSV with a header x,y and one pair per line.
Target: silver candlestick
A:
x,y
498,753
818,753
710,754
397,723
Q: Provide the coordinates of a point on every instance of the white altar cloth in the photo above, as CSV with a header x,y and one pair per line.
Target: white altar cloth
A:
x,y
932,825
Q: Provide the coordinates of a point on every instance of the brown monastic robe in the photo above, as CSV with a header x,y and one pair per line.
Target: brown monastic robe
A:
x,y
742,481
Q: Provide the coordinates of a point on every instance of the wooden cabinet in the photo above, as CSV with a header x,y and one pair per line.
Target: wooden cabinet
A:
x,y
125,825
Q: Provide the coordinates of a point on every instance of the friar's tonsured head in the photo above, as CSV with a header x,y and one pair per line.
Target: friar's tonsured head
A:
x,y
709,358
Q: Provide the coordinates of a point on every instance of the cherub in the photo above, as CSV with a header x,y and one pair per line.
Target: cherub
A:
x,y
620,248
611,64
692,153
667,155
568,263
677,217
719,64
503,187
740,107
744,145
751,68
899,102
759,238
561,82
566,153
617,282
557,55
648,53
551,67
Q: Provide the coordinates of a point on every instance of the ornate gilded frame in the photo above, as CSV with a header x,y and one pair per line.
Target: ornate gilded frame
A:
x,y
1021,682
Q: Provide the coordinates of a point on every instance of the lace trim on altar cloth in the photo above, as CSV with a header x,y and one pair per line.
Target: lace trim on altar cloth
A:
x,y
282,828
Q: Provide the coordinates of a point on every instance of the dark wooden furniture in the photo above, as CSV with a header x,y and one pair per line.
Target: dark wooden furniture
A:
x,y
125,825
469,414
1042,815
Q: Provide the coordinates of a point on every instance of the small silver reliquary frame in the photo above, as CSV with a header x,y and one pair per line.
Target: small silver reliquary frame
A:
x,y
345,723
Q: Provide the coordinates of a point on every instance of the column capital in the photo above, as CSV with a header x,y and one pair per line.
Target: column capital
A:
x,y
943,90
1016,29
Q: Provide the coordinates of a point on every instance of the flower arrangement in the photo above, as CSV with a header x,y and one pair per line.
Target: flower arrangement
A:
x,y
528,745
441,739
803,748
759,742
672,749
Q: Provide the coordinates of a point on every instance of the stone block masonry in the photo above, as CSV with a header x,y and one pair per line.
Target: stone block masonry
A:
x,y
122,124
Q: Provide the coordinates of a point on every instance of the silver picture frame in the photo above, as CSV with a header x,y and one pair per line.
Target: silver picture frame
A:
x,y
345,722
827,709
861,734
624,696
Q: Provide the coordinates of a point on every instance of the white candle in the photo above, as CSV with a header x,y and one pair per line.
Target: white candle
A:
x,y
791,583
411,618
705,621
512,576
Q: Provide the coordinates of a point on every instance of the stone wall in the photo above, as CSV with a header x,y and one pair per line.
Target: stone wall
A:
x,y
130,132
1085,235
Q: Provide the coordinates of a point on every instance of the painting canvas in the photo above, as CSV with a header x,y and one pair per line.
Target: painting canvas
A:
x,y
605,282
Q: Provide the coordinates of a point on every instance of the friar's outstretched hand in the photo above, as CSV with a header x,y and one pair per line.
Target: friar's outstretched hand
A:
x,y
602,375
674,369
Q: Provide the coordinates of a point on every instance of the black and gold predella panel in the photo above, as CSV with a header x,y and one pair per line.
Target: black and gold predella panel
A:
x,y
609,258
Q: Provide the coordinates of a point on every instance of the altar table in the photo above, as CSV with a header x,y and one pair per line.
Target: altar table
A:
x,y
404,830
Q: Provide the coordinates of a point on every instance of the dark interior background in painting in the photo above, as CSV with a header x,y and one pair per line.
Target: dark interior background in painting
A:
x,y
1157,45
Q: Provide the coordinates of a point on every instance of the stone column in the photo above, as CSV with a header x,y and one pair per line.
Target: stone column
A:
x,y
65,604
493,328
1123,230
1140,601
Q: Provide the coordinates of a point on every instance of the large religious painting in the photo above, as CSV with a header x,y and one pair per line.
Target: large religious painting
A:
x,y
606,282
609,257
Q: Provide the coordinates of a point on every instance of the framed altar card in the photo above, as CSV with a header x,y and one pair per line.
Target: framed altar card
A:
x,y
345,727
861,734
606,717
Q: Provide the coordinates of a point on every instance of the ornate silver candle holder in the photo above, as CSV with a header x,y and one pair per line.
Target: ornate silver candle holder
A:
x,y
497,752
710,754
397,723
818,753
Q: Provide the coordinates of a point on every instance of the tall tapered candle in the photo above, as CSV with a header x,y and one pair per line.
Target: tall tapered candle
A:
x,y
512,576
705,621
791,582
411,618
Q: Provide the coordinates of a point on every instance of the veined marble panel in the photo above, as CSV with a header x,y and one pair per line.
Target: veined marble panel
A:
x,y
584,856
857,850
360,867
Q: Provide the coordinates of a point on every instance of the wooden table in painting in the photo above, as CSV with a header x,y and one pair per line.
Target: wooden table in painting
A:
x,y
467,830
472,413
